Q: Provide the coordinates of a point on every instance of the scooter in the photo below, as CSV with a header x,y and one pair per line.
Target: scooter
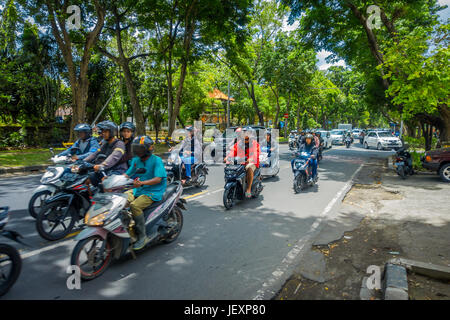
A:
x,y
293,141
302,172
10,260
403,163
110,231
236,183
51,182
176,171
270,166
348,142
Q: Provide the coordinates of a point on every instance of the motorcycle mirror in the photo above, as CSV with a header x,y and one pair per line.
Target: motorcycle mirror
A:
x,y
51,150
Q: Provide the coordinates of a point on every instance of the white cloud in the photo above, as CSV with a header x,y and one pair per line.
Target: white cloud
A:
x,y
323,65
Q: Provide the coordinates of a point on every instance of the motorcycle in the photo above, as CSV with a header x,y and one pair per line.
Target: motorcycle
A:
x,y
270,166
348,141
302,172
110,231
51,182
319,154
293,142
10,260
236,183
176,171
69,205
403,163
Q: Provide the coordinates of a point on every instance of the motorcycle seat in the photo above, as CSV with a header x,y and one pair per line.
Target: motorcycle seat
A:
x,y
170,190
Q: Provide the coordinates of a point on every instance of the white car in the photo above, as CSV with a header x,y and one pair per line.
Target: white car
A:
x,y
337,136
382,140
356,133
326,136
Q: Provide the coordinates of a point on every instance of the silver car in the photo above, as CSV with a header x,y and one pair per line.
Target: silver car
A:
x,y
382,140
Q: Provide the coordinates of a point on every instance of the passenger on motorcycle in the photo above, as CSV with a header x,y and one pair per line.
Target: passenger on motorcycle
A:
x,y
126,131
316,138
113,149
191,149
247,148
149,187
86,144
309,147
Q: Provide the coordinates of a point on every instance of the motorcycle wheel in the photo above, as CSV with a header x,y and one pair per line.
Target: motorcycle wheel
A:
x,y
9,259
298,184
175,218
52,216
201,179
33,208
228,198
401,172
88,260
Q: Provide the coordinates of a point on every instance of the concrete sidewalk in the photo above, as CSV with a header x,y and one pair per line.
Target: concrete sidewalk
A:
x,y
382,217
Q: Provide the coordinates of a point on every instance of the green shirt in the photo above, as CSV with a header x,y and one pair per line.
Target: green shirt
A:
x,y
155,168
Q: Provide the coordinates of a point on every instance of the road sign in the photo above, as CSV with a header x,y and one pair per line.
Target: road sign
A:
x,y
286,115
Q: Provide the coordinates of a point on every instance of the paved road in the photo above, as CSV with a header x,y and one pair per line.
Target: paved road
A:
x,y
244,253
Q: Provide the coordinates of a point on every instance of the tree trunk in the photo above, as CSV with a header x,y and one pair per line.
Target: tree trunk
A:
x,y
131,88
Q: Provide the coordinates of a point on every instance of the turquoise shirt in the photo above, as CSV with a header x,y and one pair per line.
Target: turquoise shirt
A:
x,y
155,168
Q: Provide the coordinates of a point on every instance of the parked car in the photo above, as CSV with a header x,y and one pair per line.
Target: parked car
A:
x,y
326,136
337,136
438,160
382,140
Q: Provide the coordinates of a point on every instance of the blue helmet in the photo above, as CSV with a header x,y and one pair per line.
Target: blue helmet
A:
x,y
140,146
83,127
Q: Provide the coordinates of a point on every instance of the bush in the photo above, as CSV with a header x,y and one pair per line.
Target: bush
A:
x,y
418,143
417,164
15,139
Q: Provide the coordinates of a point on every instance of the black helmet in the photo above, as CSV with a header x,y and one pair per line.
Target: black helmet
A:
x,y
83,127
140,146
108,125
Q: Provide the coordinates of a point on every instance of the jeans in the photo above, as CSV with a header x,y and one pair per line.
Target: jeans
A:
x,y
188,162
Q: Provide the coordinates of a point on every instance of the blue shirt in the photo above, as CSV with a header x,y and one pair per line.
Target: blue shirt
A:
x,y
91,147
155,168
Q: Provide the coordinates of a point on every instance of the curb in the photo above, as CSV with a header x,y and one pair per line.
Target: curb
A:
x,y
23,169
395,282
426,269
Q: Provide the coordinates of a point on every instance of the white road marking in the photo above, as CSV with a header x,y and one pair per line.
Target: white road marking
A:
x,y
294,253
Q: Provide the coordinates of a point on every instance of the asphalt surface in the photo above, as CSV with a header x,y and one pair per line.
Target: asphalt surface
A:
x,y
243,253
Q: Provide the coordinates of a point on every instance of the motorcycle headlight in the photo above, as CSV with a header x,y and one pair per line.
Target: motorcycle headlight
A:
x,y
97,220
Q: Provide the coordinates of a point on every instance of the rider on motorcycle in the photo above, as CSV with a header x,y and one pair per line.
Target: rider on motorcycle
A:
x,y
127,130
249,149
149,187
309,147
86,144
113,149
192,152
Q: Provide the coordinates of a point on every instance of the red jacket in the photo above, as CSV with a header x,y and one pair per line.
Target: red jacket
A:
x,y
252,153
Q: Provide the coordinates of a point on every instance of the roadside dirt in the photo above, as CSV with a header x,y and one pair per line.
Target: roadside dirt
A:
x,y
374,242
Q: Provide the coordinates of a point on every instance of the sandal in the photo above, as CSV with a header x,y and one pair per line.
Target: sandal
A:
x,y
248,194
